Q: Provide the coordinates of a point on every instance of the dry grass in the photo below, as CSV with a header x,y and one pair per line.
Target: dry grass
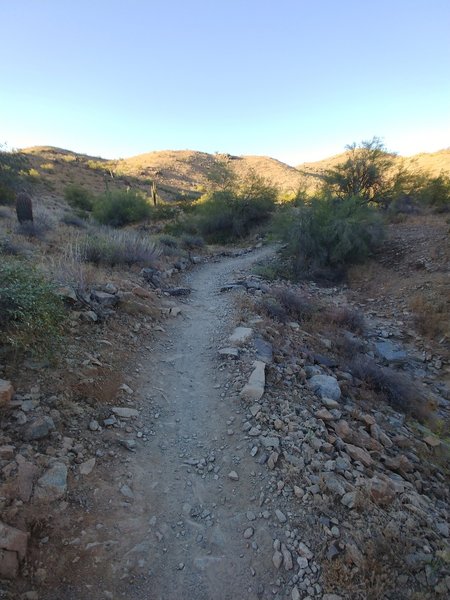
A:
x,y
431,313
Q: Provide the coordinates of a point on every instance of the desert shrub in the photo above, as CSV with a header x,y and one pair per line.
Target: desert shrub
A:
x,y
9,248
346,317
73,221
296,304
120,208
79,197
164,212
435,192
325,237
31,313
396,388
274,309
48,167
230,214
38,228
168,240
108,247
192,242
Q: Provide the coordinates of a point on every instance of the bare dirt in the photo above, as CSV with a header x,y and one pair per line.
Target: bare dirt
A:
x,y
177,529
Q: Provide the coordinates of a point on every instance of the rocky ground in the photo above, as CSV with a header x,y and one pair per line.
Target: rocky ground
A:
x,y
242,454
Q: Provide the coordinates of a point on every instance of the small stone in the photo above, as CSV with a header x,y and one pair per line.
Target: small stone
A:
x,y
53,484
13,539
349,499
251,515
324,414
128,444
232,353
295,595
233,476
39,428
287,558
125,412
87,467
277,559
241,335
280,516
248,533
126,491
272,460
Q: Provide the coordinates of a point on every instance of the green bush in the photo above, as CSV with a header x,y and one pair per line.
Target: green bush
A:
x,y
78,197
120,208
31,313
435,191
230,214
326,236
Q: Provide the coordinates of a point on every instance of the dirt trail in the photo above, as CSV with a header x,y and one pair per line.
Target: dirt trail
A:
x,y
181,535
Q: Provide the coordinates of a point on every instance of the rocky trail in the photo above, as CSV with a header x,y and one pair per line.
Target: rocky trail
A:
x,y
186,525
248,455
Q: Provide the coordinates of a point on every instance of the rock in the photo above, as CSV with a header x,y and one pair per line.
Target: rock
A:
x,y
233,476
128,444
399,464
303,550
333,484
104,299
295,594
7,452
349,499
6,392
390,353
87,467
26,475
264,350
229,353
126,388
330,403
125,413
255,409
272,460
241,335
287,558
9,564
343,430
331,597
432,441
248,533
178,291
280,515
359,454
126,491
325,386
381,491
270,442
277,559
324,414
53,484
254,389
89,315
39,428
13,540
94,425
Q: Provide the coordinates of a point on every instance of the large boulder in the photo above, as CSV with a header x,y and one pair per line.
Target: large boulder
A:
x,y
325,386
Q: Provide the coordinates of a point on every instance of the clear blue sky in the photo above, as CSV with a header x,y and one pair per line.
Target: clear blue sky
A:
x,y
293,79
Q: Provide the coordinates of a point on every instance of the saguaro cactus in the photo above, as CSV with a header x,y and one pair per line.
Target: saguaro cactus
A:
x,y
154,194
24,207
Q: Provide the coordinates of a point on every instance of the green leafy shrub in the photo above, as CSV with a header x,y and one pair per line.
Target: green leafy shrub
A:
x,y
108,247
168,240
31,313
79,197
435,192
120,208
325,237
229,214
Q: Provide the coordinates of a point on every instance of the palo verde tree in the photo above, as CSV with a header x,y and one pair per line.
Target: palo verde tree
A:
x,y
368,173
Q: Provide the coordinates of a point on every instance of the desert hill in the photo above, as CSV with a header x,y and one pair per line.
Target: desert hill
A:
x,y
433,162
185,173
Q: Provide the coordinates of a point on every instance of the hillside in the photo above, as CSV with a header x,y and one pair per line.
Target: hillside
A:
x,y
182,174
432,162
